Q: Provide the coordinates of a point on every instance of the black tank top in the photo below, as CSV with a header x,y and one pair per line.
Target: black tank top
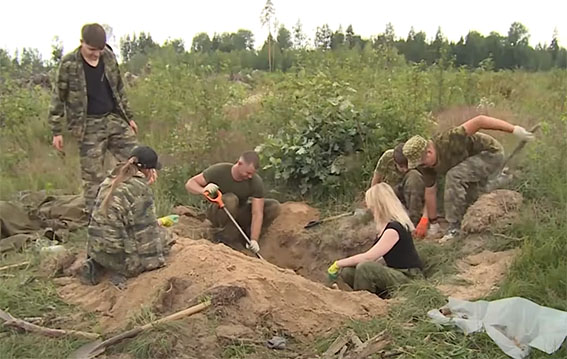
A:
x,y
403,254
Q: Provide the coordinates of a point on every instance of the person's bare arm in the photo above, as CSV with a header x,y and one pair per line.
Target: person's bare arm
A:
x,y
376,178
482,122
196,184
257,218
431,202
384,245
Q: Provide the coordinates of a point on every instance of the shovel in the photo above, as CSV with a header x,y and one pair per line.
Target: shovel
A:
x,y
319,221
93,349
220,203
219,296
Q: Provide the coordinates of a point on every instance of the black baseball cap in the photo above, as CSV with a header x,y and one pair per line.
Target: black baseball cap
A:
x,y
147,157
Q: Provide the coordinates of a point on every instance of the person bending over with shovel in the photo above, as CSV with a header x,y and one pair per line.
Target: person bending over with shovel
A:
x,y
243,195
468,159
392,168
394,243
124,235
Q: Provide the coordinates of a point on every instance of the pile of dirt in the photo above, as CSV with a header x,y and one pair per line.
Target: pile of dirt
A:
x,y
277,300
480,274
309,252
492,211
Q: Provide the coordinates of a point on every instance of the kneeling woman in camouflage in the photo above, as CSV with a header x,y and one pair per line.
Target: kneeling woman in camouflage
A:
x,y
393,243
124,236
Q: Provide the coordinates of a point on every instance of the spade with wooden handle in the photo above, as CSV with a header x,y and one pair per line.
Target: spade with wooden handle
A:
x,y
318,222
93,349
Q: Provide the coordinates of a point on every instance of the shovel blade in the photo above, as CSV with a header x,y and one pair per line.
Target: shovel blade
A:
x,y
88,351
312,224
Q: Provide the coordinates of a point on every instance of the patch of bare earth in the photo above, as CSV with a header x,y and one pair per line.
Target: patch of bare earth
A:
x,y
277,300
479,274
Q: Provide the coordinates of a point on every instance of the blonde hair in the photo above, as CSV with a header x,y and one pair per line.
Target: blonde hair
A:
x,y
386,206
124,173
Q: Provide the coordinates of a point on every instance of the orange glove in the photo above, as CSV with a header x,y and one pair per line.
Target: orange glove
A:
x,y
421,229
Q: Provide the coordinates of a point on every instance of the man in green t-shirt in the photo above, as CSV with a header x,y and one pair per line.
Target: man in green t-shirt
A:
x,y
238,183
466,157
392,168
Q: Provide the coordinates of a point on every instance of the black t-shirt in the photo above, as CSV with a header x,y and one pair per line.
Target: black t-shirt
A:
x,y
403,254
99,93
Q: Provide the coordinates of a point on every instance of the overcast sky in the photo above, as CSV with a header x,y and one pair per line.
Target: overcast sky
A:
x,y
33,24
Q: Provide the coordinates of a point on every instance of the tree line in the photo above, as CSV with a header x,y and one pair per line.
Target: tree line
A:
x,y
474,50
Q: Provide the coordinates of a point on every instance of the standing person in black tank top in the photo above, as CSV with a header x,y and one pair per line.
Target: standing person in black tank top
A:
x,y
393,243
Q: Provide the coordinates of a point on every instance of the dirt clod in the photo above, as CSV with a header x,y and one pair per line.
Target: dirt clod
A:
x,y
492,211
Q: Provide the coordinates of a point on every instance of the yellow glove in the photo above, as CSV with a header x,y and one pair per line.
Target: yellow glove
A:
x,y
168,221
333,271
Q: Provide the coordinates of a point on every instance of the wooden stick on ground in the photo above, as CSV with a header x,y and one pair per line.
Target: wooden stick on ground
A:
x,y
14,265
10,321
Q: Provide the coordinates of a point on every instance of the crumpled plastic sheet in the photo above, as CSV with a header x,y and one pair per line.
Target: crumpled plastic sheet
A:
x,y
514,324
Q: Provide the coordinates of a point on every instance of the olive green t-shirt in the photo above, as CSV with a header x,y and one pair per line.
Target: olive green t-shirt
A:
x,y
386,167
220,174
453,147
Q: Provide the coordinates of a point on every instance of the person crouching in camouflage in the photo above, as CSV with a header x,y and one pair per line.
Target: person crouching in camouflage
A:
x,y
89,91
392,168
467,158
124,236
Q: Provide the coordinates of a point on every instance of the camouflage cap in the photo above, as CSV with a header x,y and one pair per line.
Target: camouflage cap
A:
x,y
414,149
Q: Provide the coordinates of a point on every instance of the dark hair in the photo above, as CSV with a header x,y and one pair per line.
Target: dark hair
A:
x,y
251,157
399,157
94,35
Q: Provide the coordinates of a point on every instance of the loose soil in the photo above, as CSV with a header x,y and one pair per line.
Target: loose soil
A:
x,y
479,274
493,211
277,300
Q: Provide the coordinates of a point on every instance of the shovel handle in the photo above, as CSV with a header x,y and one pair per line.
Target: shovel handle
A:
x,y
217,199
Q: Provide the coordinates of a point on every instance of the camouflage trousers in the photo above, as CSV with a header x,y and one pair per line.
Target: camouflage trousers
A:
x,y
243,215
411,192
108,133
378,278
132,264
466,181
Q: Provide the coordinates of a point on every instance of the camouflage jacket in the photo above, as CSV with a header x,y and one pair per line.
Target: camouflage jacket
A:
x,y
129,228
386,167
70,92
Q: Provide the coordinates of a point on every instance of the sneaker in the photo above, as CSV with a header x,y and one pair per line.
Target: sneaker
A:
x,y
452,233
90,272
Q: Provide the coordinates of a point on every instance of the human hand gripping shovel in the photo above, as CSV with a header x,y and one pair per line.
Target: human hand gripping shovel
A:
x,y
220,203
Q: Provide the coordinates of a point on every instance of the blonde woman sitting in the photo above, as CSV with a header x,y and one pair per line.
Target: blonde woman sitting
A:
x,y
394,243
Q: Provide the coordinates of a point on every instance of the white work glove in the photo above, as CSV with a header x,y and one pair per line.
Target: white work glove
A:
x,y
434,229
523,134
253,246
212,188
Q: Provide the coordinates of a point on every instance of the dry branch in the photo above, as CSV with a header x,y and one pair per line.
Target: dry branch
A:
x,y
14,265
10,321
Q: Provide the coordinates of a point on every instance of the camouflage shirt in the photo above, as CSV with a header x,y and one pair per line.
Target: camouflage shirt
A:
x,y
386,167
70,92
129,228
453,147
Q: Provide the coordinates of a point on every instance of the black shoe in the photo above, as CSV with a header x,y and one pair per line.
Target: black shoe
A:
x,y
91,272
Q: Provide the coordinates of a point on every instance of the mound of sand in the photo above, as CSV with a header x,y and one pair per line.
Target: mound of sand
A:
x,y
492,211
277,299
481,274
